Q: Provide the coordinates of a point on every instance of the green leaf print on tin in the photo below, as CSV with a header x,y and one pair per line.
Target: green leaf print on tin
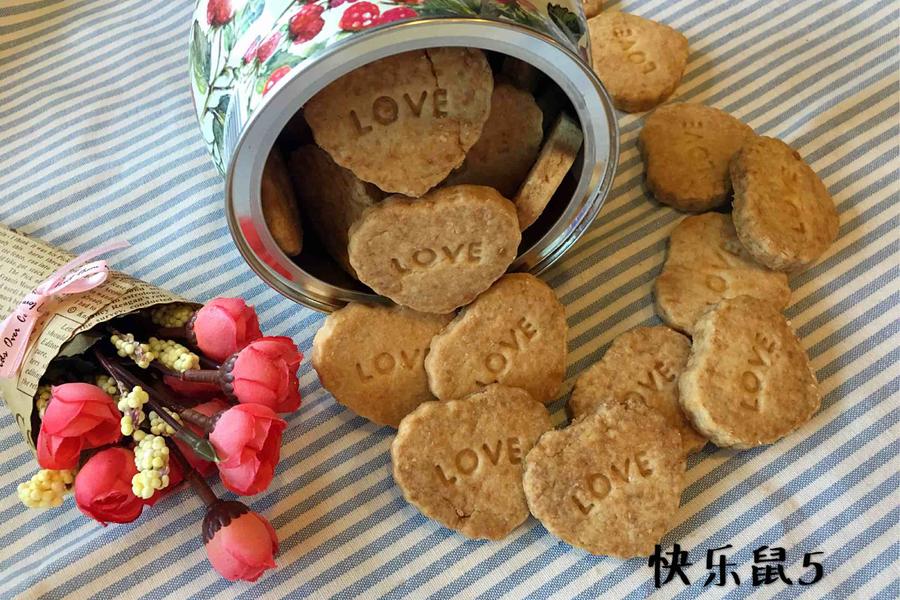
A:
x,y
228,37
567,21
445,8
251,11
199,58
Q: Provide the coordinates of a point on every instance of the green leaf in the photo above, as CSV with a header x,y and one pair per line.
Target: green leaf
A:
x,y
279,59
310,51
200,446
250,13
566,20
514,12
199,58
219,113
443,8
218,131
224,101
225,80
341,35
228,36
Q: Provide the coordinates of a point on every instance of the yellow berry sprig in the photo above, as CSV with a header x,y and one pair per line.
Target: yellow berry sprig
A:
x,y
171,315
151,456
46,488
173,355
42,399
160,427
127,346
108,385
131,405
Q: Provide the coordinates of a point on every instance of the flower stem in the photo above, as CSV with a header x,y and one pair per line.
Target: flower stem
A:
x,y
201,375
171,332
208,363
199,419
203,448
197,482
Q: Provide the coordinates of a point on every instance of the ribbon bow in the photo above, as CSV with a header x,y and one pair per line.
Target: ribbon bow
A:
x,y
75,277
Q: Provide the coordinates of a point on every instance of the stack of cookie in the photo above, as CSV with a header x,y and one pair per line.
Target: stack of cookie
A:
x,y
418,172
475,448
610,482
466,392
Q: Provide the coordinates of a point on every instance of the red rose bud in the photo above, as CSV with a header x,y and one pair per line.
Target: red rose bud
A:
x,y
218,12
79,416
268,47
265,372
241,544
210,408
223,326
250,54
247,439
103,487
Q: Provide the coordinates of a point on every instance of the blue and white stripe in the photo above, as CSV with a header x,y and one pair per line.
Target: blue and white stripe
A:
x,y
98,140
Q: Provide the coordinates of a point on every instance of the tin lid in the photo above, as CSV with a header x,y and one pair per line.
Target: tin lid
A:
x,y
248,142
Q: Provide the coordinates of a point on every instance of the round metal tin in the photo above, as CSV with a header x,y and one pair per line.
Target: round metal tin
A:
x,y
249,128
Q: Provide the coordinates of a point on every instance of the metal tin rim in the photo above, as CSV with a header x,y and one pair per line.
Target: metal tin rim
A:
x,y
588,96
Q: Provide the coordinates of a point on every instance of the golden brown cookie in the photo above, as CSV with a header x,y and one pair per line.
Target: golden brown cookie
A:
x,y
332,198
610,483
639,61
748,381
641,365
371,358
405,121
508,146
553,163
686,150
592,8
706,263
783,213
460,462
513,334
279,206
438,252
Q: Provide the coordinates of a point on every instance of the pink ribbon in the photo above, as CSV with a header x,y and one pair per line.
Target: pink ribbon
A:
x,y
75,277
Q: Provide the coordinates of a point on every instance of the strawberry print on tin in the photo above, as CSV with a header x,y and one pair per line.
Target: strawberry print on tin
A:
x,y
243,51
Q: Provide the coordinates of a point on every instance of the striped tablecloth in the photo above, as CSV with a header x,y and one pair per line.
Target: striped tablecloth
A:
x,y
98,140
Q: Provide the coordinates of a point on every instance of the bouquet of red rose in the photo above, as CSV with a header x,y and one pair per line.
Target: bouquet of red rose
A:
x,y
162,396
124,391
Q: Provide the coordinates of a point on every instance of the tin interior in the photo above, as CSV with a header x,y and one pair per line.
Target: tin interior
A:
x,y
313,278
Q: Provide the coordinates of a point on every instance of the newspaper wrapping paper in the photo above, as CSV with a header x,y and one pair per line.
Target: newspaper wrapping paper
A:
x,y
98,140
26,263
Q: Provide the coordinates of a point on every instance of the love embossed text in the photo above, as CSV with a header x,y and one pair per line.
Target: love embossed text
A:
x,y
754,374
467,461
385,363
387,110
723,258
626,40
597,486
513,341
655,379
432,256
